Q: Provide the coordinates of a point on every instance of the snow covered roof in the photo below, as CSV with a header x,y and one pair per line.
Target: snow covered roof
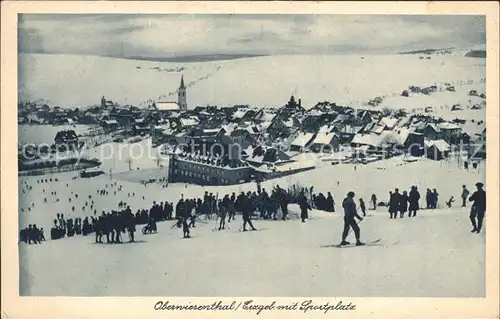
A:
x,y
263,126
377,129
110,122
440,145
368,139
166,106
326,129
303,139
448,126
267,117
140,120
433,126
377,140
189,122
324,138
229,128
389,122
240,113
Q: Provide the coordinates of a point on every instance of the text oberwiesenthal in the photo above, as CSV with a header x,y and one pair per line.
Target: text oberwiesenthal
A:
x,y
249,305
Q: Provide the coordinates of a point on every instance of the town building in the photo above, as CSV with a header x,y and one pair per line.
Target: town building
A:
x,y
207,170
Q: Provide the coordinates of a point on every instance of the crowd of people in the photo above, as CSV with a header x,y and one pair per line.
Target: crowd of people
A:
x,y
32,234
110,225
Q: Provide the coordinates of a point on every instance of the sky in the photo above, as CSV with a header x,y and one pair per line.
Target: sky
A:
x,y
149,35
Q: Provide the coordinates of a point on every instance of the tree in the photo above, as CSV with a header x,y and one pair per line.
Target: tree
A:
x,y
129,161
387,111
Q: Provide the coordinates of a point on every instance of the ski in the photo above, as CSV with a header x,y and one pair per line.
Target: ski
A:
x,y
250,230
371,243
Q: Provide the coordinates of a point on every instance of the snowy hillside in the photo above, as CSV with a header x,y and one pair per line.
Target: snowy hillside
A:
x,y
282,259
69,80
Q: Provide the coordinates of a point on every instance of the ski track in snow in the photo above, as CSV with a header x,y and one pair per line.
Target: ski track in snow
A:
x,y
436,255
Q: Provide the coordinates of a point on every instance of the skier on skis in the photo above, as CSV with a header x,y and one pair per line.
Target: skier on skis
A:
x,y
478,207
246,206
350,214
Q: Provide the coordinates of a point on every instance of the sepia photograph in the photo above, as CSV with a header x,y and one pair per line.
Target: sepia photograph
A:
x,y
252,154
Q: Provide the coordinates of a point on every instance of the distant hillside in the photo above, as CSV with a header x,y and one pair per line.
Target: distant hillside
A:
x,y
476,54
428,51
194,58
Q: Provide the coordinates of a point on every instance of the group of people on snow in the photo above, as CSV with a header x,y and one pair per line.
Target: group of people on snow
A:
x,y
32,234
400,203
186,211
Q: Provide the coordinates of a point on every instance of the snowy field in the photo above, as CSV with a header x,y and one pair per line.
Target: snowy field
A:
x,y
38,134
344,79
435,254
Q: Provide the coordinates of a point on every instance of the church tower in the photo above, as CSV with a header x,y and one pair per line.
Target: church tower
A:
x,y
181,99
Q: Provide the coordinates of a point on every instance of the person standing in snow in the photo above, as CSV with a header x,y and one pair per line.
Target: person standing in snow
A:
x,y
478,207
362,206
374,201
350,214
435,197
330,203
231,208
394,204
428,199
465,194
403,204
304,206
283,197
413,199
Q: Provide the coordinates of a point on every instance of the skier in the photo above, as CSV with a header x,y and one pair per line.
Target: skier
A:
x,y
223,205
413,199
478,207
465,194
246,206
362,206
349,214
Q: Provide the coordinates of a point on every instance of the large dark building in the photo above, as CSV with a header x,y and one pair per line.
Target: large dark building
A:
x,y
204,170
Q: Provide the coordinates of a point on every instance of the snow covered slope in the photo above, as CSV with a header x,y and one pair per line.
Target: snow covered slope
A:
x,y
69,80
433,255
436,255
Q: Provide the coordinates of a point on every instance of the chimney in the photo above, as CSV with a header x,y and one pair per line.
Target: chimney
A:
x,y
300,102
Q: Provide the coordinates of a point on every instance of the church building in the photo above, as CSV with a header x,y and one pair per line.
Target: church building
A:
x,y
181,103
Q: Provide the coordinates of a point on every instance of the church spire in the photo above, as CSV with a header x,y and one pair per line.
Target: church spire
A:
x,y
182,82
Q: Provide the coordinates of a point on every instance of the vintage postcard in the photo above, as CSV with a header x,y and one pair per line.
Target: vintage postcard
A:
x,y
183,159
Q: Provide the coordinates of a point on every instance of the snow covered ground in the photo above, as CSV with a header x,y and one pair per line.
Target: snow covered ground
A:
x,y
345,79
436,256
